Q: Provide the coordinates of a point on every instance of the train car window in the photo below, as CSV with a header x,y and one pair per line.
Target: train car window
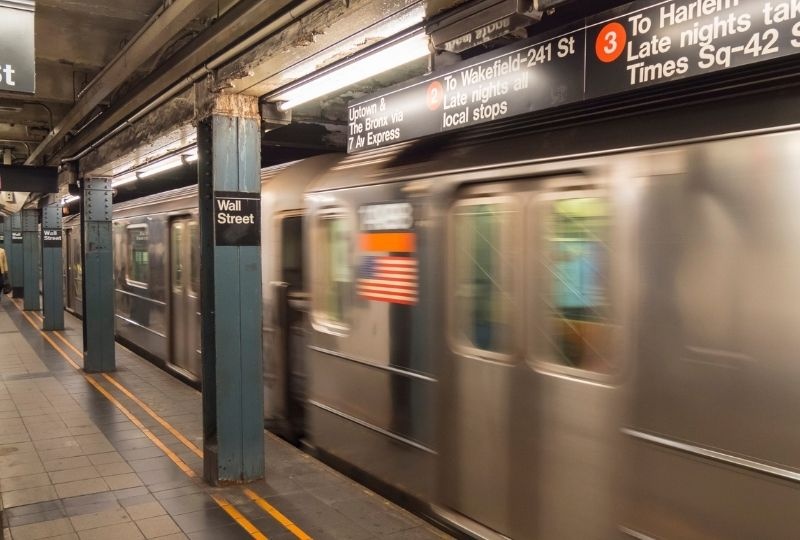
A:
x,y
176,248
333,281
138,268
483,266
194,252
575,274
75,264
292,252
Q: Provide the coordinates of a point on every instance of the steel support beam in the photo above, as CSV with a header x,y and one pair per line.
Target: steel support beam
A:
x,y
98,279
15,257
229,160
30,259
52,277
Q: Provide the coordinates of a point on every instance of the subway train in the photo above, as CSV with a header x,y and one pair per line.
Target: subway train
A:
x,y
571,325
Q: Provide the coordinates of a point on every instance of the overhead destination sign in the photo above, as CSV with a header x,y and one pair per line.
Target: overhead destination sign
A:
x,y
17,56
638,45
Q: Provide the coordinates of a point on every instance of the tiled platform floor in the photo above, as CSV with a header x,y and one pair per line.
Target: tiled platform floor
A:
x,y
73,465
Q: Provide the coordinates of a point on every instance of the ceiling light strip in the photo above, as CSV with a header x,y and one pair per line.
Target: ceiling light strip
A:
x,y
402,49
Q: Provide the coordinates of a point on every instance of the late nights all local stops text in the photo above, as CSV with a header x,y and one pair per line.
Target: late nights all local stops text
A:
x,y
642,44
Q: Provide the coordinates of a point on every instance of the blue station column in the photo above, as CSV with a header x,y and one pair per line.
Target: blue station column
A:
x,y
15,256
98,278
30,259
229,145
52,268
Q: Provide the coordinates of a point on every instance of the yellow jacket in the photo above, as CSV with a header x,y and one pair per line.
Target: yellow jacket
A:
x,y
3,262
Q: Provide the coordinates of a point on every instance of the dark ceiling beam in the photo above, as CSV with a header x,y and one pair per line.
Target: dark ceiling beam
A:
x,y
157,33
247,18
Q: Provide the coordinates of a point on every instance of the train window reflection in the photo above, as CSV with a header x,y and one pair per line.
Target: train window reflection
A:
x,y
577,319
483,275
194,248
334,269
177,255
292,252
138,256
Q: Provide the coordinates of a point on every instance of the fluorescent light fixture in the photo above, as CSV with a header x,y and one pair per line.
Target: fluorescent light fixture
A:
x,y
69,198
124,179
191,156
401,52
164,165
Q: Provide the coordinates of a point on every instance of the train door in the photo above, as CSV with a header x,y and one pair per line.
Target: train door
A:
x,y
530,418
184,305
477,382
574,350
291,311
74,274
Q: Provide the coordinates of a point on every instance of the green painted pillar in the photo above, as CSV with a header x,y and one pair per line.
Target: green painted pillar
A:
x,y
229,143
15,256
98,279
52,269
30,259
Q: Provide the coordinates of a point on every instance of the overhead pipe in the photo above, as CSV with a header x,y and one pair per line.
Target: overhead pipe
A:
x,y
293,14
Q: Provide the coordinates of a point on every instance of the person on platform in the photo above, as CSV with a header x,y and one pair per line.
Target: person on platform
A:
x,y
3,271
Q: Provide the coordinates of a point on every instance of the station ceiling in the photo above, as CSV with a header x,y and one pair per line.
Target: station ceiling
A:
x,y
101,65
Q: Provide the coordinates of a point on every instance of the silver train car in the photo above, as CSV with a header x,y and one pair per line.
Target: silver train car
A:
x,y
574,330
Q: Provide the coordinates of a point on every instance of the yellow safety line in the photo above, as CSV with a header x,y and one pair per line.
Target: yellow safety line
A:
x,y
263,504
177,434
221,501
238,517
275,513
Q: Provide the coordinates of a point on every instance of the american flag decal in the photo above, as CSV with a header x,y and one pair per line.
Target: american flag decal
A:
x,y
388,279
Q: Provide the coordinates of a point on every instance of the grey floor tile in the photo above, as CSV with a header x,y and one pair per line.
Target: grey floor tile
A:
x,y
103,518
156,526
66,463
186,504
78,473
111,469
207,518
81,487
121,531
107,457
376,516
29,496
123,481
44,529
21,469
229,532
145,510
26,481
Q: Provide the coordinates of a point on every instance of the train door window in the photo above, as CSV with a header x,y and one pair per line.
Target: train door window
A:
x,y
575,282
194,253
292,252
333,276
483,273
138,256
176,248
75,264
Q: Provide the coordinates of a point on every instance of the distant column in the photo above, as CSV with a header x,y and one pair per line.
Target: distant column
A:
x,y
30,259
52,268
229,143
98,280
15,256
